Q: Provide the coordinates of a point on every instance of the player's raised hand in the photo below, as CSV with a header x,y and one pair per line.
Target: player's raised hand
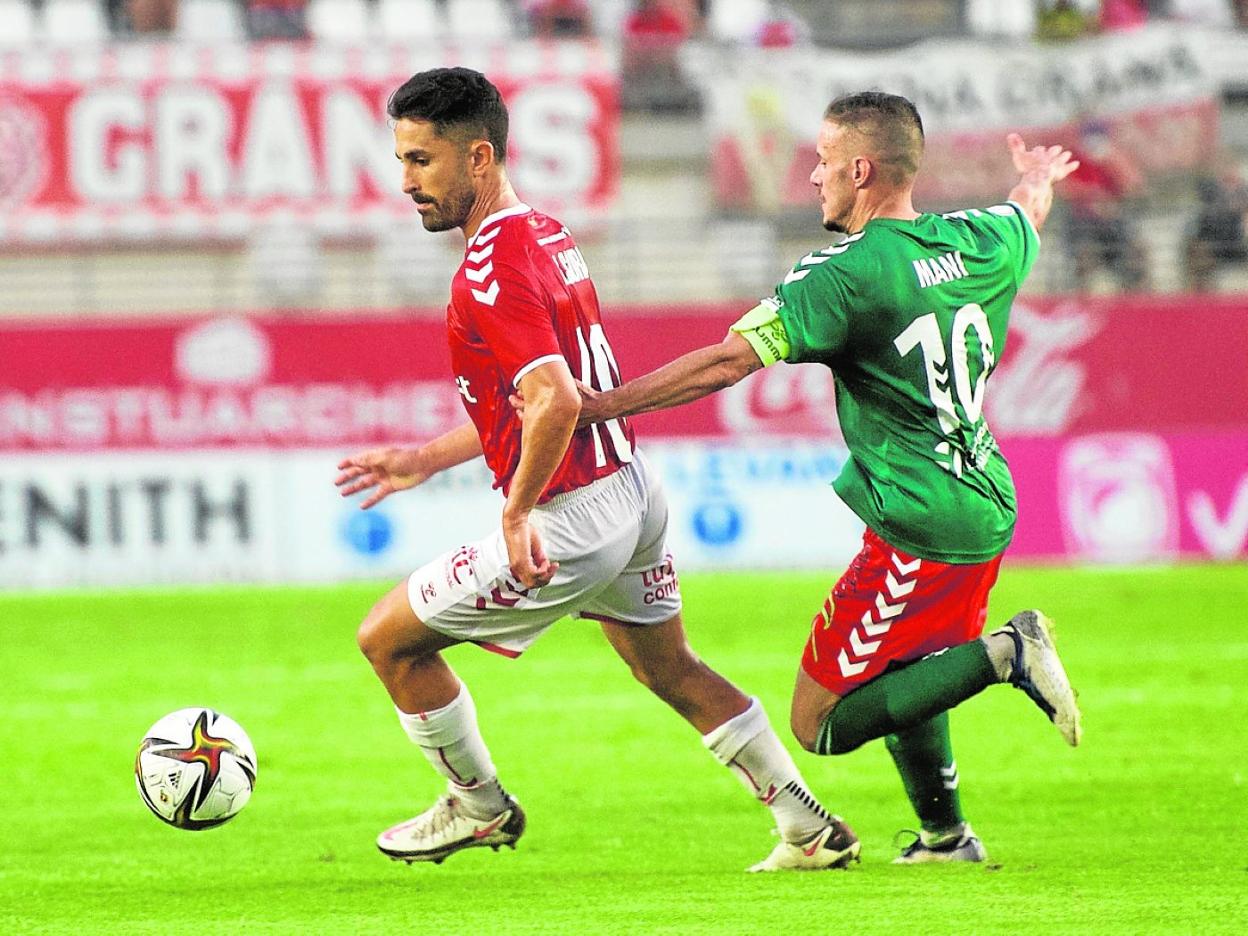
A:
x,y
525,554
381,471
1053,163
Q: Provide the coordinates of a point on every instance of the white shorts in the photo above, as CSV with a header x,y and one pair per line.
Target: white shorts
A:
x,y
609,539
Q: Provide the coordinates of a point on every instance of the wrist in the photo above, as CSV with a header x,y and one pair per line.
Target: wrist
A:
x,y
514,514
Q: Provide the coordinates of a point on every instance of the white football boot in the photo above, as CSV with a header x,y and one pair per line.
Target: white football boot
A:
x,y
962,845
1038,671
444,828
833,846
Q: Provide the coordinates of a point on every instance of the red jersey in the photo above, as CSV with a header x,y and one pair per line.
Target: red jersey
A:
x,y
521,298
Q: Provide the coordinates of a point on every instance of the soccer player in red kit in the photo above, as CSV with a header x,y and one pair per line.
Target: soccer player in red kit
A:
x,y
584,518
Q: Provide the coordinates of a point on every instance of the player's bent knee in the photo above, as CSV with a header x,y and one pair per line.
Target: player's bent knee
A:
x,y
807,735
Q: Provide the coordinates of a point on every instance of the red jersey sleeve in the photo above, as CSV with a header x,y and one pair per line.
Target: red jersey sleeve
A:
x,y
515,318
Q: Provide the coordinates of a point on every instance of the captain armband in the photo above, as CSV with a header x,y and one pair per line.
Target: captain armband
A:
x,y
763,329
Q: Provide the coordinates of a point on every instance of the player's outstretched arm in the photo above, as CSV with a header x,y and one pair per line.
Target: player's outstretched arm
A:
x,y
387,470
688,378
1039,167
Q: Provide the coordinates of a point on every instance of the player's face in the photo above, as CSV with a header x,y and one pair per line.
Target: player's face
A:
x,y
435,174
833,176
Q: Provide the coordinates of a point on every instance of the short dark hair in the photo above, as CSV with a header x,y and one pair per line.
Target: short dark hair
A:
x,y
457,101
890,121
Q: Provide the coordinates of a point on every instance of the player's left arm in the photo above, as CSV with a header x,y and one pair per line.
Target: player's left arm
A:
x,y
552,405
1039,168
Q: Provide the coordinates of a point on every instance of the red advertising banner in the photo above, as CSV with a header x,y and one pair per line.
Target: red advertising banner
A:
x,y
1132,497
141,140
1072,367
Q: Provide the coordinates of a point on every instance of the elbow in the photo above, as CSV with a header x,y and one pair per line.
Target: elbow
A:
x,y
560,406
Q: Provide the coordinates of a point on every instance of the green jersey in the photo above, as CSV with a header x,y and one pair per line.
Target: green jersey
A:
x,y
911,317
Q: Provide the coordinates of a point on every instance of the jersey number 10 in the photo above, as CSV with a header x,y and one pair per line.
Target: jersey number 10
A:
x,y
599,370
924,333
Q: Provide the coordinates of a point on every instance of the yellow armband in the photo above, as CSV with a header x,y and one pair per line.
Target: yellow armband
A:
x,y
764,330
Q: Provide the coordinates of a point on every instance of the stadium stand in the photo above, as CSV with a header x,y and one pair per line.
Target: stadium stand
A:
x,y
210,21
339,20
663,236
17,23
74,21
410,19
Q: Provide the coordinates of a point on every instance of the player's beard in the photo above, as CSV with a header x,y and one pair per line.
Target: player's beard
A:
x,y
448,212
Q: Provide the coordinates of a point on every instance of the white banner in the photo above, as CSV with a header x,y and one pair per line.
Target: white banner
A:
x,y
138,519
764,106
199,516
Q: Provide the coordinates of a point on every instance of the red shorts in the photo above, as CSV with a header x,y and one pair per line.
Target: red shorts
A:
x,y
892,607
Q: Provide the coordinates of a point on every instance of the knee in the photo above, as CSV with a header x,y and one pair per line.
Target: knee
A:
x,y
379,638
805,729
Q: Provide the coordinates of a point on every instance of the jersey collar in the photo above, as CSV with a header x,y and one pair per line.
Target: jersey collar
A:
x,y
519,209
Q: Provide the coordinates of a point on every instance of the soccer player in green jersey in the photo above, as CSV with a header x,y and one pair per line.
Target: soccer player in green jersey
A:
x,y
909,311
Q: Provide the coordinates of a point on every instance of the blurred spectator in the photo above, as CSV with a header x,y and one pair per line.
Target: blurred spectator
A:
x,y
1123,14
558,19
1101,226
660,22
152,17
1060,20
653,35
781,28
276,19
1216,235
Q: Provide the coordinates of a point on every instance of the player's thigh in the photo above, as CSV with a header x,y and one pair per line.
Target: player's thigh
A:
x,y
469,594
891,607
392,629
646,590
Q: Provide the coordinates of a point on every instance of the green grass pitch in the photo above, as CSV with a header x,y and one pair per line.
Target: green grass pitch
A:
x,y
633,828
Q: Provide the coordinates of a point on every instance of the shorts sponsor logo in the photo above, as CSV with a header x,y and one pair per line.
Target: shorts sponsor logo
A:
x,y
660,582
461,565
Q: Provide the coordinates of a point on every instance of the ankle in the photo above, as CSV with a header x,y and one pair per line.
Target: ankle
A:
x,y
1000,647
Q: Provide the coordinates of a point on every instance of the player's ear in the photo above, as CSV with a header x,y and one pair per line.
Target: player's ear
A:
x,y
862,171
481,155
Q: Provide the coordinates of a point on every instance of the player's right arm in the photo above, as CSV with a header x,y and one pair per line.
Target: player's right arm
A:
x,y
387,470
1039,168
756,340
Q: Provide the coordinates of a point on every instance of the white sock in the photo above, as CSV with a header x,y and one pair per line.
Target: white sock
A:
x,y
452,743
748,746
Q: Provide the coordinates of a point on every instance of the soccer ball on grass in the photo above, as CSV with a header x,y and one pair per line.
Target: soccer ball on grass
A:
x,y
195,768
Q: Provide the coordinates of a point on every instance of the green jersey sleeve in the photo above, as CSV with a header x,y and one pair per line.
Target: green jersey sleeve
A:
x,y
1010,223
813,303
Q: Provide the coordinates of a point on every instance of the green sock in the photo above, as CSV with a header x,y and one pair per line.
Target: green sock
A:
x,y
924,758
903,698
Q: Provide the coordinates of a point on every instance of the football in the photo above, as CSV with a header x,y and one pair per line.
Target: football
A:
x,y
195,768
